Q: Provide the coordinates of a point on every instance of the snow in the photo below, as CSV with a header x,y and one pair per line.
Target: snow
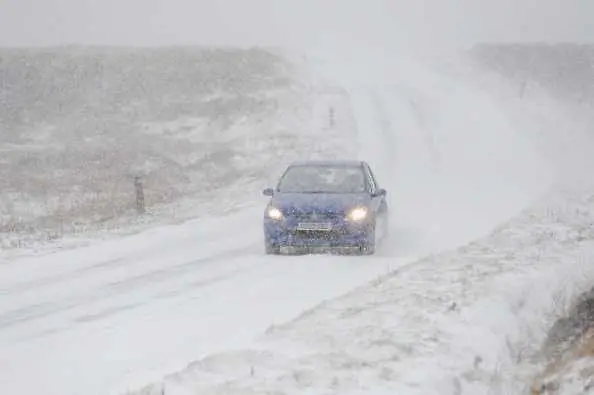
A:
x,y
182,118
108,308
448,305
470,320
577,378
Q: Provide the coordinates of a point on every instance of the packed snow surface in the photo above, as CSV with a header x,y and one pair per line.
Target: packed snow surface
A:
x,y
117,315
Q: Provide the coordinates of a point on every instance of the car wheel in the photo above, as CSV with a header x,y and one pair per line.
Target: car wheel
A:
x,y
272,249
385,227
369,247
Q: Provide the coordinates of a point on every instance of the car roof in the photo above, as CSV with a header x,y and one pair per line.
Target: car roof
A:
x,y
320,162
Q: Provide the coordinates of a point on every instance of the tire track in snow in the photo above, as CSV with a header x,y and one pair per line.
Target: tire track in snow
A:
x,y
63,277
388,131
388,121
198,237
420,117
370,134
128,285
119,309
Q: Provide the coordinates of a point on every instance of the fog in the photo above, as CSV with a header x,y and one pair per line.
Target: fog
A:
x,y
413,23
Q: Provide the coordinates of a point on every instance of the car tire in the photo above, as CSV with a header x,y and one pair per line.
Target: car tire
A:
x,y
272,249
385,227
369,247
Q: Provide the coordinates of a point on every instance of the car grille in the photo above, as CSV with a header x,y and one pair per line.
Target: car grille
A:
x,y
326,226
319,234
318,217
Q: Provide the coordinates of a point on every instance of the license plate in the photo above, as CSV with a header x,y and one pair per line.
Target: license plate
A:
x,y
314,226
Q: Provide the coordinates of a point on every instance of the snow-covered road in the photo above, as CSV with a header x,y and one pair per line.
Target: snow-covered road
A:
x,y
468,320
119,314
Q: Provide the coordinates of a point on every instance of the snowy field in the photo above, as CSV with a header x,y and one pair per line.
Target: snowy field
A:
x,y
78,124
491,242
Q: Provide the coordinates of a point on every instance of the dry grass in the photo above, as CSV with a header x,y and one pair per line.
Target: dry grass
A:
x,y
76,124
573,357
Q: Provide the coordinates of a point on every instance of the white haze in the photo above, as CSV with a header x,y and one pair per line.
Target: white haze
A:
x,y
488,171
413,23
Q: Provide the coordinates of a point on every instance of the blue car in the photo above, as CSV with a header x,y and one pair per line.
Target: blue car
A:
x,y
325,206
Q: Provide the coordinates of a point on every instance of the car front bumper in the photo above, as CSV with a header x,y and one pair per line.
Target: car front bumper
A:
x,y
312,249
341,236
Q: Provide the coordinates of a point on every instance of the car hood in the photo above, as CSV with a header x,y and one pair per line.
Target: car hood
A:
x,y
317,202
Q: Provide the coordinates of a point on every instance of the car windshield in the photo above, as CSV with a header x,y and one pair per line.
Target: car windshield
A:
x,y
323,179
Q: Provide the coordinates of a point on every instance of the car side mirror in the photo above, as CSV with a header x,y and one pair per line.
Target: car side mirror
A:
x,y
380,193
268,192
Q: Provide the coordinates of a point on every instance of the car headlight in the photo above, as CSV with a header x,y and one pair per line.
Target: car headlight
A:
x,y
358,214
274,213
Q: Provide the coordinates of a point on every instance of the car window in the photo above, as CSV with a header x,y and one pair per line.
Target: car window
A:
x,y
372,180
323,179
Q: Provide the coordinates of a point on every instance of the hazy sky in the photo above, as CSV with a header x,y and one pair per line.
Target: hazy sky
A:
x,y
295,22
